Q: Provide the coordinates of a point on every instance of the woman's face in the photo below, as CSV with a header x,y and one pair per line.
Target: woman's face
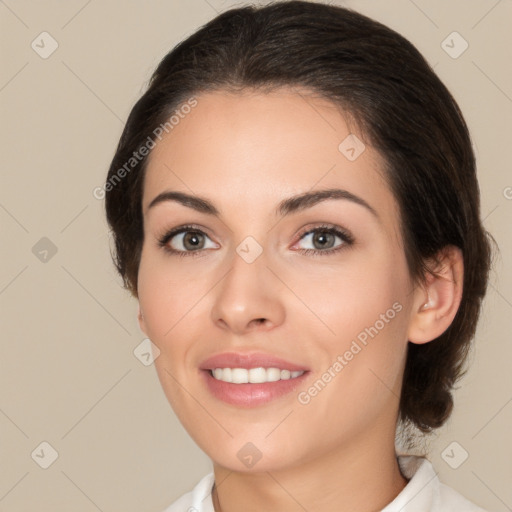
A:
x,y
241,287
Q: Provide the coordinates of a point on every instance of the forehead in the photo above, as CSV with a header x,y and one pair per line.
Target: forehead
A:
x,y
252,149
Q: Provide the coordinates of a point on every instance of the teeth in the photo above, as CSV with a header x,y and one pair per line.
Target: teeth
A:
x,y
239,376
257,375
254,375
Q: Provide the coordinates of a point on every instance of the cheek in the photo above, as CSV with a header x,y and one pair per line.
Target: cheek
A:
x,y
353,295
364,319
167,298
170,304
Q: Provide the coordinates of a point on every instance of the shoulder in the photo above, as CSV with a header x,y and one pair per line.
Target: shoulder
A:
x,y
199,499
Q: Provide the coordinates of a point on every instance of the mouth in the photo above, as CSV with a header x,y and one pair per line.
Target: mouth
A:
x,y
249,380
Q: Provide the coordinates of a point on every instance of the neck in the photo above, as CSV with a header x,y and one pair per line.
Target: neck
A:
x,y
361,477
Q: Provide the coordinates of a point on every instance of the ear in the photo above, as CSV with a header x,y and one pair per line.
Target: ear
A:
x,y
142,323
436,304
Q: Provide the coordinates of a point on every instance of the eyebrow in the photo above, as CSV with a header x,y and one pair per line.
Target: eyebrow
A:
x,y
286,207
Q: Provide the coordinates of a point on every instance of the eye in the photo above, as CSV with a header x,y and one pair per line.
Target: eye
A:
x,y
185,241
190,240
323,239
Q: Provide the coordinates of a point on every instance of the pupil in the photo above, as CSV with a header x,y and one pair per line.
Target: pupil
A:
x,y
321,237
191,239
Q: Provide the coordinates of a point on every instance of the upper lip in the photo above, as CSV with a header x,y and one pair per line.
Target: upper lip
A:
x,y
248,361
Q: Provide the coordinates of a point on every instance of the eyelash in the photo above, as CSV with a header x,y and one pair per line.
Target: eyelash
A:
x,y
344,235
163,241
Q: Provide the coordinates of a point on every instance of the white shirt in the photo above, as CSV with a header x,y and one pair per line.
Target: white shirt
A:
x,y
423,493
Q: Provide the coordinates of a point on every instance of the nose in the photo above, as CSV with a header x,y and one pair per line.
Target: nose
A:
x,y
249,298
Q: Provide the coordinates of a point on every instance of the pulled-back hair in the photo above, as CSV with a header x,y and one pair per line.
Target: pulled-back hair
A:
x,y
402,109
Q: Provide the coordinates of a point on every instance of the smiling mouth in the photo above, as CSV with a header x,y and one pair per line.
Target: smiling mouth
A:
x,y
254,375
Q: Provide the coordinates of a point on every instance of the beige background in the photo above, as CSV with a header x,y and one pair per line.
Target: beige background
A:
x,y
68,372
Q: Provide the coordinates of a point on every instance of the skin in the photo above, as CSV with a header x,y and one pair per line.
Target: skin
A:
x,y
245,153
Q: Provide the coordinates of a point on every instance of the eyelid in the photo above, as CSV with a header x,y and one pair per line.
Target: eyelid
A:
x,y
168,233
324,226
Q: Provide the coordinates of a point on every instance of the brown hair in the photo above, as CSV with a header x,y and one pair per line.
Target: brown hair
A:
x,y
403,109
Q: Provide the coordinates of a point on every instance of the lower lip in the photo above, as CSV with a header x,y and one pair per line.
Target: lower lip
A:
x,y
251,395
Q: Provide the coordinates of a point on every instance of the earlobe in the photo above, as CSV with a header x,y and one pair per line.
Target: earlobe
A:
x,y
140,318
436,304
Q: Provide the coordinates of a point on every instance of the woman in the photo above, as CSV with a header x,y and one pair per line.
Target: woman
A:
x,y
295,206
